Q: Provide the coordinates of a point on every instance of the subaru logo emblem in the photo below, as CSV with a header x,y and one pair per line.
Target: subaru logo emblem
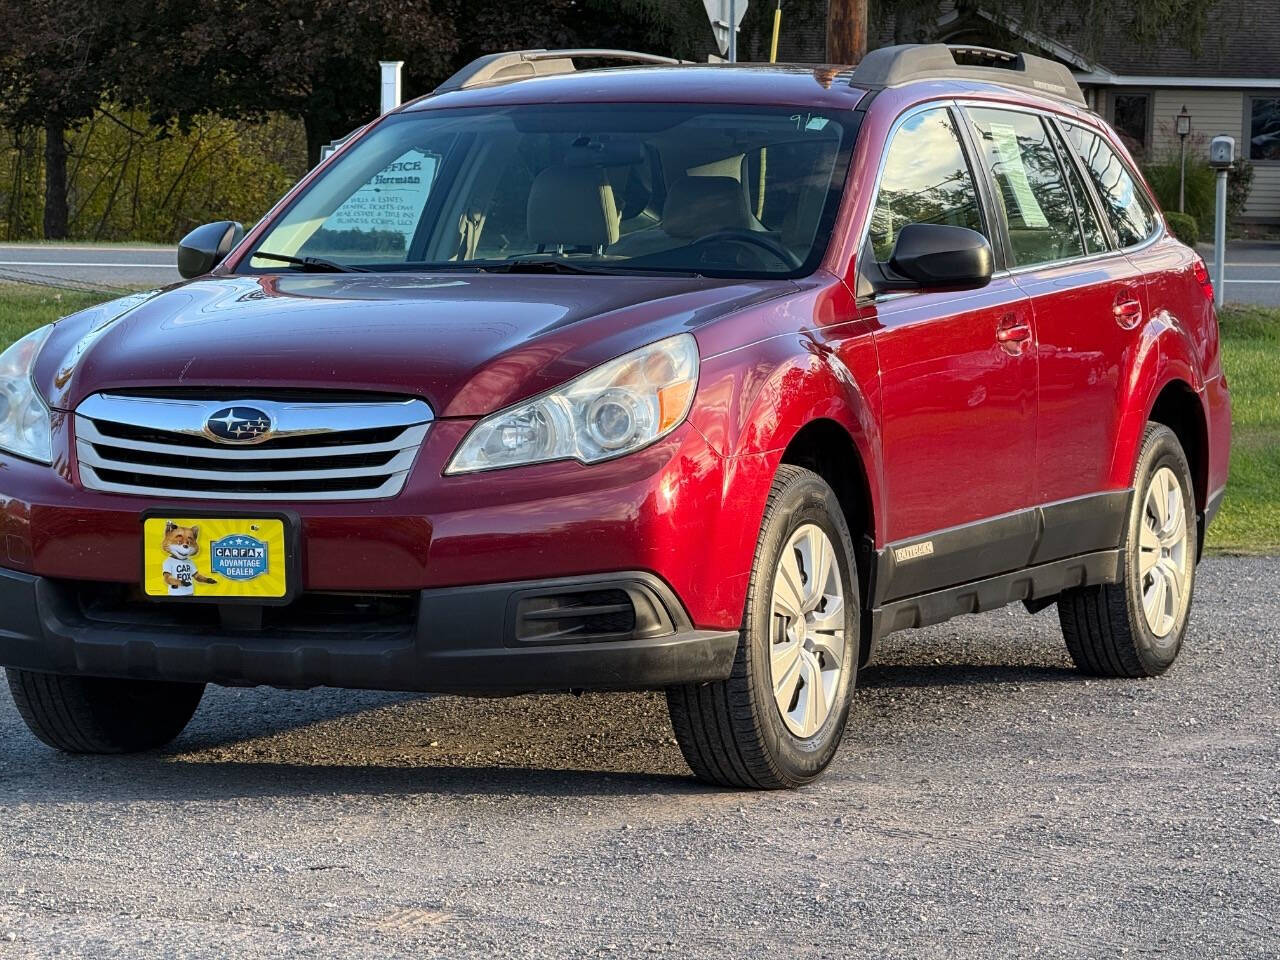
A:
x,y
239,425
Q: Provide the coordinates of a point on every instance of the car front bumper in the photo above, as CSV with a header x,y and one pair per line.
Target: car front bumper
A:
x,y
468,640
663,509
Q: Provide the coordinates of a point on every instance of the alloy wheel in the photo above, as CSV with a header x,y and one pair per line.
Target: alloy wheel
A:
x,y
807,646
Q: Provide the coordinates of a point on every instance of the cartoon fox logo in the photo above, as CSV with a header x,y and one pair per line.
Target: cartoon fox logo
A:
x,y
179,571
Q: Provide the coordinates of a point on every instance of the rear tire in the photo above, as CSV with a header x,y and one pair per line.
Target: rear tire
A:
x,y
1134,628
100,715
798,647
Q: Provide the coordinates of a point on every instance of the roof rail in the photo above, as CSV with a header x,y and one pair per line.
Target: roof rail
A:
x,y
522,64
887,66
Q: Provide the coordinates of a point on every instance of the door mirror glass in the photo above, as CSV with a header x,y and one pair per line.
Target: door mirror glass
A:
x,y
207,246
940,255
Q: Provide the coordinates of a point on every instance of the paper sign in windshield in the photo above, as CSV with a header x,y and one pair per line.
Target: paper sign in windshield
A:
x,y
392,200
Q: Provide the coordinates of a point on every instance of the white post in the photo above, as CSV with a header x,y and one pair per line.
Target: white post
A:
x,y
1220,241
733,31
390,84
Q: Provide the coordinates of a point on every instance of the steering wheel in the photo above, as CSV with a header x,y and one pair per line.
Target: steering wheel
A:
x,y
752,238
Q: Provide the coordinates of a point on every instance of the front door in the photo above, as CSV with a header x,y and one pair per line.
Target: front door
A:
x,y
958,382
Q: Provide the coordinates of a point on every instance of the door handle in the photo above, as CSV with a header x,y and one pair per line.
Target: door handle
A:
x,y
1128,312
1012,334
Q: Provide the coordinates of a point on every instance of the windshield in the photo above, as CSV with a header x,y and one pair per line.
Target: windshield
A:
x,y
600,188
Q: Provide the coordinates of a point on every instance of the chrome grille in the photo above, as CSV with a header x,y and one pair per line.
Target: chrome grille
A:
x,y
318,450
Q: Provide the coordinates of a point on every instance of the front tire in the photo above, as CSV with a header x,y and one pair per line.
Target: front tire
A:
x,y
778,719
1135,628
101,715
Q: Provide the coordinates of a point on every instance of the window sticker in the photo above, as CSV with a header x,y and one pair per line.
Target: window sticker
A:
x,y
1005,137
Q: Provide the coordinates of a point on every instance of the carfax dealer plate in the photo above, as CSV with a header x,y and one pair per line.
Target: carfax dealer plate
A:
x,y
217,558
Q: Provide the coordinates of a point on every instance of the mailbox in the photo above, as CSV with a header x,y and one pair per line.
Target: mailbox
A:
x,y
1222,151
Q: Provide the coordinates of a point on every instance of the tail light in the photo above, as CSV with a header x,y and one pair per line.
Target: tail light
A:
x,y
1203,278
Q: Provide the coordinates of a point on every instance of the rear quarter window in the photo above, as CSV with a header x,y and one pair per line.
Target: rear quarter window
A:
x,y
1125,203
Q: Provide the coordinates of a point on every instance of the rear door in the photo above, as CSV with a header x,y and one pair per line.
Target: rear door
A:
x,y
1086,300
957,379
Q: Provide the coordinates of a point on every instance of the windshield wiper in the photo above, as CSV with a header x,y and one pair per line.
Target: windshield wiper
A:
x,y
310,264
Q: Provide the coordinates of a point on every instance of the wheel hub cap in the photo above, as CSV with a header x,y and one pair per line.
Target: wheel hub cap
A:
x,y
808,644
1164,560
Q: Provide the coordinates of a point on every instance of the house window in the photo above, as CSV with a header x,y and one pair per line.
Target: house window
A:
x,y
1264,128
1130,111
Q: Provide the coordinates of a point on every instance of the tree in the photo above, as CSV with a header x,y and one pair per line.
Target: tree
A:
x,y
312,59
317,59
55,68
1144,23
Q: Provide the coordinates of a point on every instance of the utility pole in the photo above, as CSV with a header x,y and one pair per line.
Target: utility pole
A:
x,y
846,31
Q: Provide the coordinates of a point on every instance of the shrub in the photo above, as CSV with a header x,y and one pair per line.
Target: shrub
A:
x,y
130,180
1239,186
1184,227
1163,177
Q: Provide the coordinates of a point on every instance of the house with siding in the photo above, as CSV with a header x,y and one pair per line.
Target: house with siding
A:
x,y
1230,85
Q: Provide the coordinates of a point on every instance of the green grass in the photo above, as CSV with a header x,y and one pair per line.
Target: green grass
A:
x,y
23,308
1250,517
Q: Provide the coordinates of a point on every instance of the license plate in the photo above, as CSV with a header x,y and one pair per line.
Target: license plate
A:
x,y
199,557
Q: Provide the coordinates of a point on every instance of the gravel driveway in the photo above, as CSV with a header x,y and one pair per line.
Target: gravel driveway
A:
x,y
989,802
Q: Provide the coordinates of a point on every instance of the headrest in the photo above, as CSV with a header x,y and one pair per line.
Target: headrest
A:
x,y
572,207
697,206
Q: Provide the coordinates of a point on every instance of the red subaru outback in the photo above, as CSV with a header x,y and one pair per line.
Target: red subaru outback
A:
x,y
670,377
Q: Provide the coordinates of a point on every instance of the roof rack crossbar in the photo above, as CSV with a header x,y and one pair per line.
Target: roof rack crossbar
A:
x,y
522,64
887,66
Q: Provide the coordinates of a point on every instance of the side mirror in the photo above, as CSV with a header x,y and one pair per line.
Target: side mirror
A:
x,y
929,255
205,247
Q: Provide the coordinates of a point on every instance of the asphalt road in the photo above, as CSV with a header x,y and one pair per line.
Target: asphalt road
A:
x,y
95,264
989,802
1252,271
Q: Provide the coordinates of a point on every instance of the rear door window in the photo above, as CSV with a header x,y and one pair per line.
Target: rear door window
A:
x,y
1127,207
1030,186
1095,237
926,179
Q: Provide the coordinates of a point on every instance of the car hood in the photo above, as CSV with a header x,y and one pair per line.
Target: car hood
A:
x,y
468,344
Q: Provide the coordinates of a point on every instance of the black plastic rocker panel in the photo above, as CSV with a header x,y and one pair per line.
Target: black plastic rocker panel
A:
x,y
1030,555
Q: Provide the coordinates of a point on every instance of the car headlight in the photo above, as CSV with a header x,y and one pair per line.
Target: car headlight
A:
x,y
24,416
616,408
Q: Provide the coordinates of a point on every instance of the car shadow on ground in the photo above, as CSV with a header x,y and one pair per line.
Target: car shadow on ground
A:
x,y
362,743
161,778
884,676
